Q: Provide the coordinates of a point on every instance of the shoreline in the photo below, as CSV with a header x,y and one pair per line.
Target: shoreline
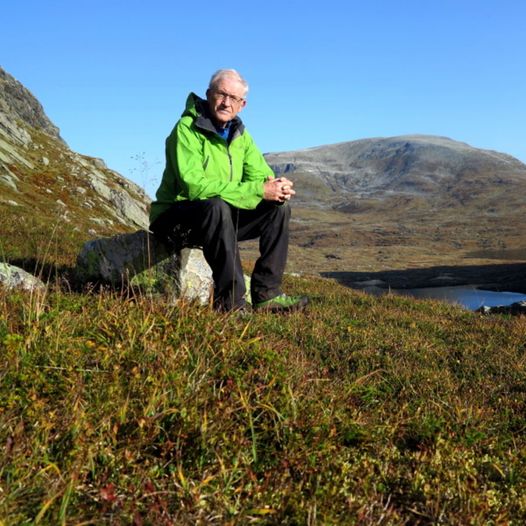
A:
x,y
510,277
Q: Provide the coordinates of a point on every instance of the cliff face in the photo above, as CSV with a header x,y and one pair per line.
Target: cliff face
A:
x,y
50,194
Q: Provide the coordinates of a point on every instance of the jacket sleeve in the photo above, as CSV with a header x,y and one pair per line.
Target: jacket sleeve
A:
x,y
186,155
255,167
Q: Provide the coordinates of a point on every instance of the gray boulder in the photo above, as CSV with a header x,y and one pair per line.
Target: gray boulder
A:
x,y
12,277
195,276
141,259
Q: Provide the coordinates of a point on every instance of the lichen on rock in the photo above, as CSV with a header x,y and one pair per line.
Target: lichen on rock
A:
x,y
13,277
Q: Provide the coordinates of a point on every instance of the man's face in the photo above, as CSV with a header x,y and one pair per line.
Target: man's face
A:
x,y
226,100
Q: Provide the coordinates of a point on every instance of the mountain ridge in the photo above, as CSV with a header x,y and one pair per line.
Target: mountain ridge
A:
x,y
438,139
402,164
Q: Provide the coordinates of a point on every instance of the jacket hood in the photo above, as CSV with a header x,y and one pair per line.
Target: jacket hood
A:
x,y
197,108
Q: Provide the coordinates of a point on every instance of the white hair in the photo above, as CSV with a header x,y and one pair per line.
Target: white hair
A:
x,y
220,74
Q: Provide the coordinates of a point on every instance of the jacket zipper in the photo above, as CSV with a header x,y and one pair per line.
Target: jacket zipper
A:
x,y
230,163
231,168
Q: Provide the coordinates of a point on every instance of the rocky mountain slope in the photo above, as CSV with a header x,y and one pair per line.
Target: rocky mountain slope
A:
x,y
410,166
51,198
404,202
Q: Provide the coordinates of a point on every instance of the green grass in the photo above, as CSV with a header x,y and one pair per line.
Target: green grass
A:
x,y
120,409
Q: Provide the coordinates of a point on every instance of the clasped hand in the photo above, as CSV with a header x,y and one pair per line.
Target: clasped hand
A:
x,y
278,189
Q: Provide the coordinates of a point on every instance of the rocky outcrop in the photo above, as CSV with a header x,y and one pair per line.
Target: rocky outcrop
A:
x,y
12,277
516,308
118,259
140,259
17,102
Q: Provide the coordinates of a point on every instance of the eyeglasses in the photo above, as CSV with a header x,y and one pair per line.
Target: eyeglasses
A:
x,y
224,96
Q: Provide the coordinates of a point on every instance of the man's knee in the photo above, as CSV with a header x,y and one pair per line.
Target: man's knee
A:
x,y
217,207
281,213
218,216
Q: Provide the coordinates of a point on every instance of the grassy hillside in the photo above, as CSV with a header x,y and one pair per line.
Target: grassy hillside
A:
x,y
121,409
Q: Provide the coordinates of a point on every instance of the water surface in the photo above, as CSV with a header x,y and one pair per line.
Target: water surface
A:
x,y
467,296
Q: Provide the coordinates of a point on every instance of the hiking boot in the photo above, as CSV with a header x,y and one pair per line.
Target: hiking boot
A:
x,y
282,303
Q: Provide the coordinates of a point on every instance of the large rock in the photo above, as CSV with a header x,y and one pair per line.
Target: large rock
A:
x,y
194,277
141,259
13,277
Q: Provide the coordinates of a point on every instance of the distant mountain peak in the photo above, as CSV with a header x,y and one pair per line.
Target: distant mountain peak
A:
x,y
425,165
414,139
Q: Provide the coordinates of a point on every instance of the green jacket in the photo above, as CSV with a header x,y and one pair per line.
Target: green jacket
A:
x,y
200,164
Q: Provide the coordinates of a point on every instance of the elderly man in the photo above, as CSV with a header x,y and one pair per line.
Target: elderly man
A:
x,y
217,190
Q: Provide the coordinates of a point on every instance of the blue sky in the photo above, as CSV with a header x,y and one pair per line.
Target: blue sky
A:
x,y
113,75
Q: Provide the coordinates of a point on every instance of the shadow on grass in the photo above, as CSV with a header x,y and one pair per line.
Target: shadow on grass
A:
x,y
502,277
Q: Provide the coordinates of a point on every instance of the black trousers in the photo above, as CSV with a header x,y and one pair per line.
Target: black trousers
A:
x,y
217,227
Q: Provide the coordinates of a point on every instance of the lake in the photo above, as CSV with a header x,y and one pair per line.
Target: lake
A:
x,y
467,296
